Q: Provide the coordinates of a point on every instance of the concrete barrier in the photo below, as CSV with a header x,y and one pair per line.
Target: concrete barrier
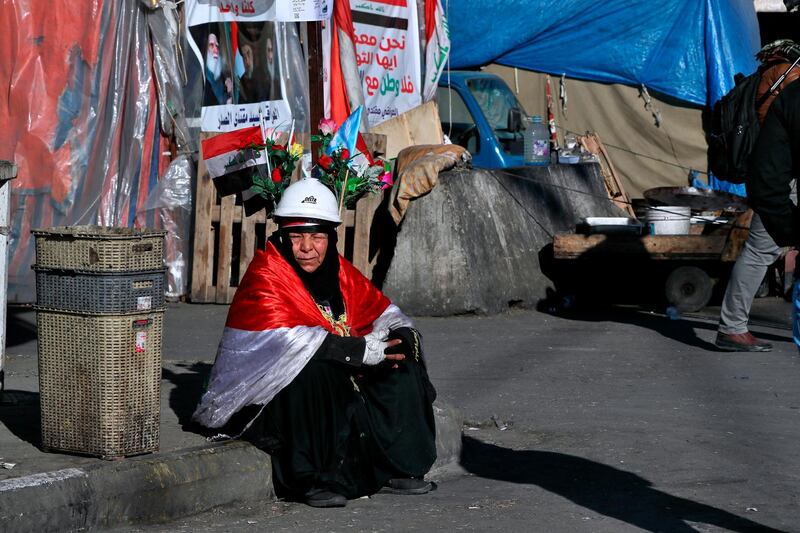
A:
x,y
472,245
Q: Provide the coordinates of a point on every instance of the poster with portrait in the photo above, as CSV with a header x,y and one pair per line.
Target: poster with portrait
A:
x,y
237,44
387,55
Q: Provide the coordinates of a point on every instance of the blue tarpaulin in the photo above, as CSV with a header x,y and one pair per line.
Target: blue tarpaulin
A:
x,y
687,49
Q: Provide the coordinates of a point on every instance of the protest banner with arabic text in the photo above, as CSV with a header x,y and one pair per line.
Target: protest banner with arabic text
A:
x,y
387,55
238,48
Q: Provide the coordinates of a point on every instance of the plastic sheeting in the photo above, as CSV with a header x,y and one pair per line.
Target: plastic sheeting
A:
x,y
169,75
687,49
170,204
81,119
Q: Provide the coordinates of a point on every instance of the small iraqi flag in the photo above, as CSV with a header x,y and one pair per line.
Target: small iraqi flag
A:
x,y
231,162
227,154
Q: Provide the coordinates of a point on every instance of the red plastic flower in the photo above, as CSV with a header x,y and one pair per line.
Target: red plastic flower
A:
x,y
325,162
276,175
278,147
345,154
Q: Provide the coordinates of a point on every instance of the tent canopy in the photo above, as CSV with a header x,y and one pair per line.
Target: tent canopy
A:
x,y
687,49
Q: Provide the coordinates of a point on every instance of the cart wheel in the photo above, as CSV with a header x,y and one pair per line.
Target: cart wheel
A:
x,y
688,288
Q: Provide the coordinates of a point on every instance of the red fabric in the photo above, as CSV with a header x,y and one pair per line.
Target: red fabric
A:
x,y
430,19
231,141
361,146
234,41
342,19
271,296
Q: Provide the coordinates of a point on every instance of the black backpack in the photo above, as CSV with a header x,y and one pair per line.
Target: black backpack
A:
x,y
734,118
734,129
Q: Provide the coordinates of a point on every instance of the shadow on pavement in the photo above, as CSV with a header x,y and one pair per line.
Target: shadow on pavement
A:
x,y
190,384
682,329
21,326
608,491
21,414
189,387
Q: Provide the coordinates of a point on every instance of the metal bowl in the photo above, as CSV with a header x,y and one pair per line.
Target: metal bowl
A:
x,y
697,199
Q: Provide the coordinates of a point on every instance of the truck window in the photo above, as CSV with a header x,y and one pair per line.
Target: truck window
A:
x,y
496,102
457,121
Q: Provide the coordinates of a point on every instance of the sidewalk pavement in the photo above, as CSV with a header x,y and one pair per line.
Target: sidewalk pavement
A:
x,y
60,491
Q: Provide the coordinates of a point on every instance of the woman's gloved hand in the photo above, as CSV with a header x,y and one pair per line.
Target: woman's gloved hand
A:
x,y
376,346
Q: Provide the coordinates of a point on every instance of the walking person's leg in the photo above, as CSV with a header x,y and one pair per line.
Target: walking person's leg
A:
x,y
758,253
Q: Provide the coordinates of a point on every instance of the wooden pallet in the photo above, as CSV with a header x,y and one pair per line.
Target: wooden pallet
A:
x,y
225,240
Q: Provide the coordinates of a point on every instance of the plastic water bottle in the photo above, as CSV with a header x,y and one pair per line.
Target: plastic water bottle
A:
x,y
537,142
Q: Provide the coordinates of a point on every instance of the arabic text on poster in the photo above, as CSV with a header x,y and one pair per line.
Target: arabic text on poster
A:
x,y
387,56
274,114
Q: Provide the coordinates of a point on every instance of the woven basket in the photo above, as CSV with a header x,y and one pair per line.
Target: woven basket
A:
x,y
99,248
100,293
99,382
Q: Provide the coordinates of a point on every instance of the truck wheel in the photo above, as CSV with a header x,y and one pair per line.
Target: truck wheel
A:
x,y
688,288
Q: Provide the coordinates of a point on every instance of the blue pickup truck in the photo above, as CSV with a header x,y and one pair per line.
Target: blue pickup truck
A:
x,y
479,112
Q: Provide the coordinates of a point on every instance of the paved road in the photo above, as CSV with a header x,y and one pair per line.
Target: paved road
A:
x,y
611,421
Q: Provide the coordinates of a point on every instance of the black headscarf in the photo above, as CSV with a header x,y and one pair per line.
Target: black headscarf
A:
x,y
323,283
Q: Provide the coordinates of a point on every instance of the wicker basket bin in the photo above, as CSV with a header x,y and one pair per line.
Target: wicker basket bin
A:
x,y
101,292
99,249
99,382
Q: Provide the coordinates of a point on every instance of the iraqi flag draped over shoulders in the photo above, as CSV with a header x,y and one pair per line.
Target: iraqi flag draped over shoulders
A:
x,y
273,329
272,296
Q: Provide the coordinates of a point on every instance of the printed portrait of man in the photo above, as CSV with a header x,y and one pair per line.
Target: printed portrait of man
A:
x,y
272,68
251,85
213,42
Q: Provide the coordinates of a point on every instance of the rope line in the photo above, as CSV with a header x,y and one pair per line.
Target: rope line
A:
x,y
578,191
639,154
524,208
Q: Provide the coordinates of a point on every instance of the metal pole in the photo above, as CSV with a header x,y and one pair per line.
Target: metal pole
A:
x,y
315,79
8,171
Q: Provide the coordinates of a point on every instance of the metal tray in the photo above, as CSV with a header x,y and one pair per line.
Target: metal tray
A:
x,y
605,225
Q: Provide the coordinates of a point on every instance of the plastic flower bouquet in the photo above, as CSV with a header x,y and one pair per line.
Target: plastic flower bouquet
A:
x,y
270,175
281,162
350,176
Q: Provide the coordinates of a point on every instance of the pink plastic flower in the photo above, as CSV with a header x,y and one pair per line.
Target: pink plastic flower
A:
x,y
327,126
386,179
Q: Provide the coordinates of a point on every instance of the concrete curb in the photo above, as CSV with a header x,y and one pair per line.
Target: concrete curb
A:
x,y
163,487
136,490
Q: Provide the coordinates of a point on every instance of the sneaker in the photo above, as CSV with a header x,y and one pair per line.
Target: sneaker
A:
x,y
325,498
407,486
741,342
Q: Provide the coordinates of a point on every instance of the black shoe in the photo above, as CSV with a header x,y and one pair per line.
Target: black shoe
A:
x,y
741,342
407,486
325,498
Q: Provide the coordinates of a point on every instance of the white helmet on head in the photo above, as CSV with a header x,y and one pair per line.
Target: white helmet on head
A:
x,y
308,198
